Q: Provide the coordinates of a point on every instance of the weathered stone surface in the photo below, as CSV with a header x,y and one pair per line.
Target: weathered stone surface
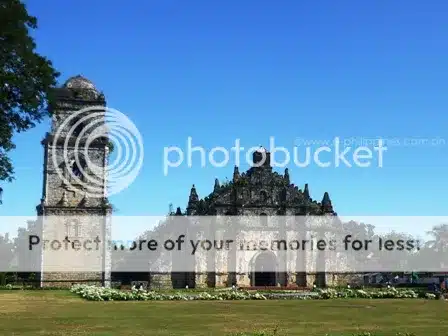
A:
x,y
66,209
68,279
267,195
258,192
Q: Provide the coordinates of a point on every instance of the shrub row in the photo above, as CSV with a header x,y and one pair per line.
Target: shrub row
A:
x,y
94,293
389,293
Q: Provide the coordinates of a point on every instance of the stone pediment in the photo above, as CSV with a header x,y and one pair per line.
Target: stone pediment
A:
x,y
257,188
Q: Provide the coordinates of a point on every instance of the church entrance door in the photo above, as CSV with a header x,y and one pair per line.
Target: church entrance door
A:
x,y
265,266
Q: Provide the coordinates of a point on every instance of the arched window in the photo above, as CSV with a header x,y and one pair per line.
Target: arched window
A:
x,y
78,129
77,169
283,195
77,229
263,219
246,193
78,126
73,228
65,170
300,221
68,229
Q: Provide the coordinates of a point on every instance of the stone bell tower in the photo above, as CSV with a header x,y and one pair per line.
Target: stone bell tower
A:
x,y
74,210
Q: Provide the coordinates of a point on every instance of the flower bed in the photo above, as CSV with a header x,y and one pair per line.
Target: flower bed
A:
x,y
389,293
94,293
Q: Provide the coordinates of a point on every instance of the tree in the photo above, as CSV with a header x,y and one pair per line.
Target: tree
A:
x,y
399,256
26,79
433,254
362,232
440,238
27,261
7,257
6,251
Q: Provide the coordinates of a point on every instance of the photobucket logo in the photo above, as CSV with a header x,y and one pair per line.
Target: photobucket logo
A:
x,y
332,154
82,142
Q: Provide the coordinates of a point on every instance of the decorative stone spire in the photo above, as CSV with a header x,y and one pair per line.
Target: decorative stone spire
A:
x,y
83,201
193,195
178,212
287,176
236,174
306,192
192,201
326,203
261,158
326,199
64,200
217,186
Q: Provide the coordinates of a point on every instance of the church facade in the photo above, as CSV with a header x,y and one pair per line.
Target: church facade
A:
x,y
268,199
66,210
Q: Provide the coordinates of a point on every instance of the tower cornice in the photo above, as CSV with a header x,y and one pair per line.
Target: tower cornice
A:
x,y
73,141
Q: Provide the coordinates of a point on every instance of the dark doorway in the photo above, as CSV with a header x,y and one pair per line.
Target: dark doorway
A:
x,y
265,266
263,220
320,280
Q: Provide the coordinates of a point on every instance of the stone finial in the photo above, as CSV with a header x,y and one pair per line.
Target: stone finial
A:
x,y
261,158
306,192
287,176
193,195
82,88
64,200
217,186
79,82
236,174
326,199
193,201
84,201
326,203
178,211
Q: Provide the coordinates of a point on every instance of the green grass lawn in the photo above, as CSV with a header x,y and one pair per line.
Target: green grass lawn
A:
x,y
61,313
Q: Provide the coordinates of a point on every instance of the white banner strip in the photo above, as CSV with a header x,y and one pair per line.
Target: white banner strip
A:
x,y
224,244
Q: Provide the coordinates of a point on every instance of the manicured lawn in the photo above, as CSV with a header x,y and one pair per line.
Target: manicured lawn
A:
x,y
61,313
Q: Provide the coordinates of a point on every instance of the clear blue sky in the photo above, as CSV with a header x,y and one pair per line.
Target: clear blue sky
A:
x,y
218,71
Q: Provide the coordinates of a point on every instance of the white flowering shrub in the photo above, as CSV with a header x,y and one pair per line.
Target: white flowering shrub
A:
x,y
430,296
93,293
389,293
